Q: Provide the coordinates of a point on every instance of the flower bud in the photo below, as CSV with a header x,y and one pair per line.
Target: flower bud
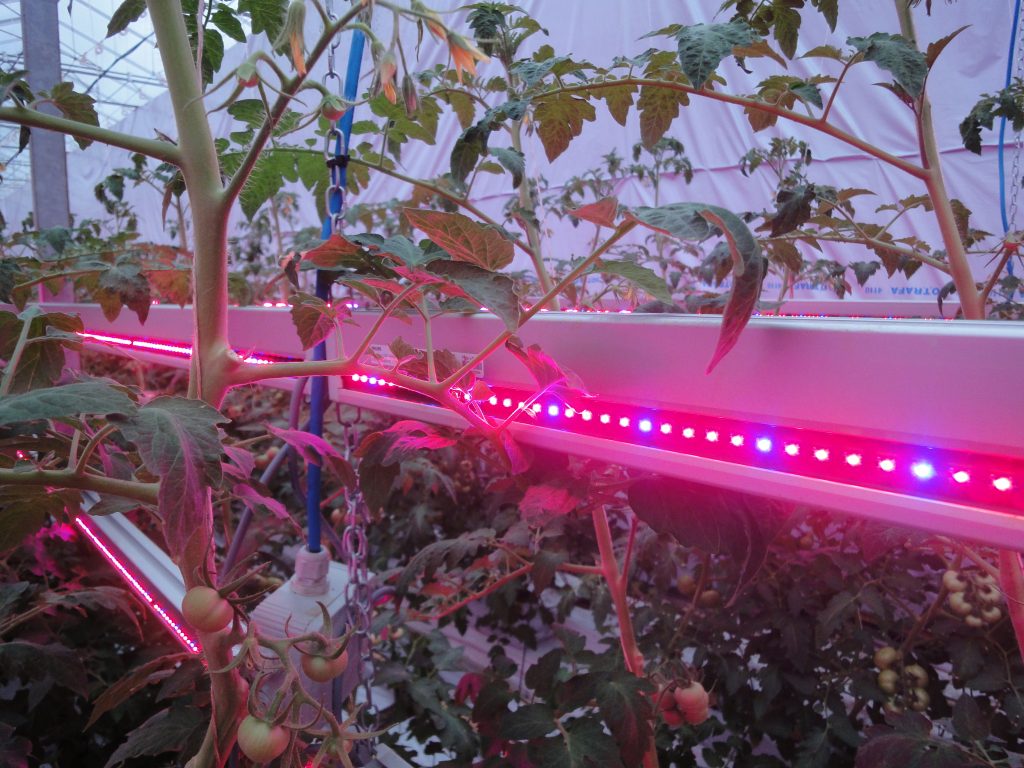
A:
x,y
291,38
409,95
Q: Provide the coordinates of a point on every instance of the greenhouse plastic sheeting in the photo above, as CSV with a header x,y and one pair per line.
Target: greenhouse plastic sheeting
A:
x,y
715,135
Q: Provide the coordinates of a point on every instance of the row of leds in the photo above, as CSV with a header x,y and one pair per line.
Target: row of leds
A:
x,y
179,632
922,470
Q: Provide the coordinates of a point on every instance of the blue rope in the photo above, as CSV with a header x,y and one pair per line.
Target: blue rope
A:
x,y
324,280
1010,61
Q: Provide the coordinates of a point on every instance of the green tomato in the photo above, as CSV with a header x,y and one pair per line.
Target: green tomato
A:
x,y
206,610
887,680
322,669
916,674
260,741
954,581
886,656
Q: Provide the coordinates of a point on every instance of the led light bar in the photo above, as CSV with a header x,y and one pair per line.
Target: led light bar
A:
x,y
175,349
890,420
132,570
990,481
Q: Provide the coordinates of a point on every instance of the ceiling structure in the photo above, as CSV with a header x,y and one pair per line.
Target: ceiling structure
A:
x,y
122,73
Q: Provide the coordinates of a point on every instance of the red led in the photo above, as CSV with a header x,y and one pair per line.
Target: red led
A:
x,y
507,402
536,407
688,432
792,449
736,440
569,413
854,460
886,465
493,400
586,415
961,476
712,436
605,418
666,429
624,421
1002,484
821,454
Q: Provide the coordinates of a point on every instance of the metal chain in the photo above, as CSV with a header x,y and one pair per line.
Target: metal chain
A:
x,y
333,141
354,549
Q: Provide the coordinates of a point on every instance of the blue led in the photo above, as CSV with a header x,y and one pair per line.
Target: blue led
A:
x,y
645,425
923,470
764,444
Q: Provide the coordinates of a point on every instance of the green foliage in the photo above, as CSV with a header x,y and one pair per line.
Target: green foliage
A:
x,y
127,12
464,239
179,442
897,56
74,106
1007,103
702,47
314,319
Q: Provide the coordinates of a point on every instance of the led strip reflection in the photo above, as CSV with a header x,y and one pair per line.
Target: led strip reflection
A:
x,y
162,613
989,481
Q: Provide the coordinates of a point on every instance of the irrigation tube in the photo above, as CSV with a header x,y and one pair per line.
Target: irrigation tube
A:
x,y
1010,61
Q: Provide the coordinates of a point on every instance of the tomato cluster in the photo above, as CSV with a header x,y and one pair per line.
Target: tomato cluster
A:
x,y
680,704
904,685
973,596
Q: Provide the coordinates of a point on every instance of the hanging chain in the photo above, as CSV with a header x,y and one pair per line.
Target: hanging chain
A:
x,y
334,141
354,547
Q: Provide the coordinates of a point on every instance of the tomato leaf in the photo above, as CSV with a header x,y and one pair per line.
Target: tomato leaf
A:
x,y
560,119
602,212
84,397
484,245
179,441
313,318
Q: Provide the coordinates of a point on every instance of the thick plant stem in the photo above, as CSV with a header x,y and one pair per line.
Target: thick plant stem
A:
x,y
201,171
959,269
213,360
617,585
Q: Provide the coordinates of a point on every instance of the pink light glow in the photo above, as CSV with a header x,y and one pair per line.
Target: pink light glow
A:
x,y
183,637
163,347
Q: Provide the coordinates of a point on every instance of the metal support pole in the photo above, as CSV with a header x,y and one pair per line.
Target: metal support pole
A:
x,y
40,33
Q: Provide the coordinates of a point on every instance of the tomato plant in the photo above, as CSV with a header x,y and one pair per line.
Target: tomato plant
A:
x,y
779,612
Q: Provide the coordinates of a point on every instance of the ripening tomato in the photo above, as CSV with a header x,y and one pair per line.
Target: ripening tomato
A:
x,y
322,669
206,610
692,701
260,741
